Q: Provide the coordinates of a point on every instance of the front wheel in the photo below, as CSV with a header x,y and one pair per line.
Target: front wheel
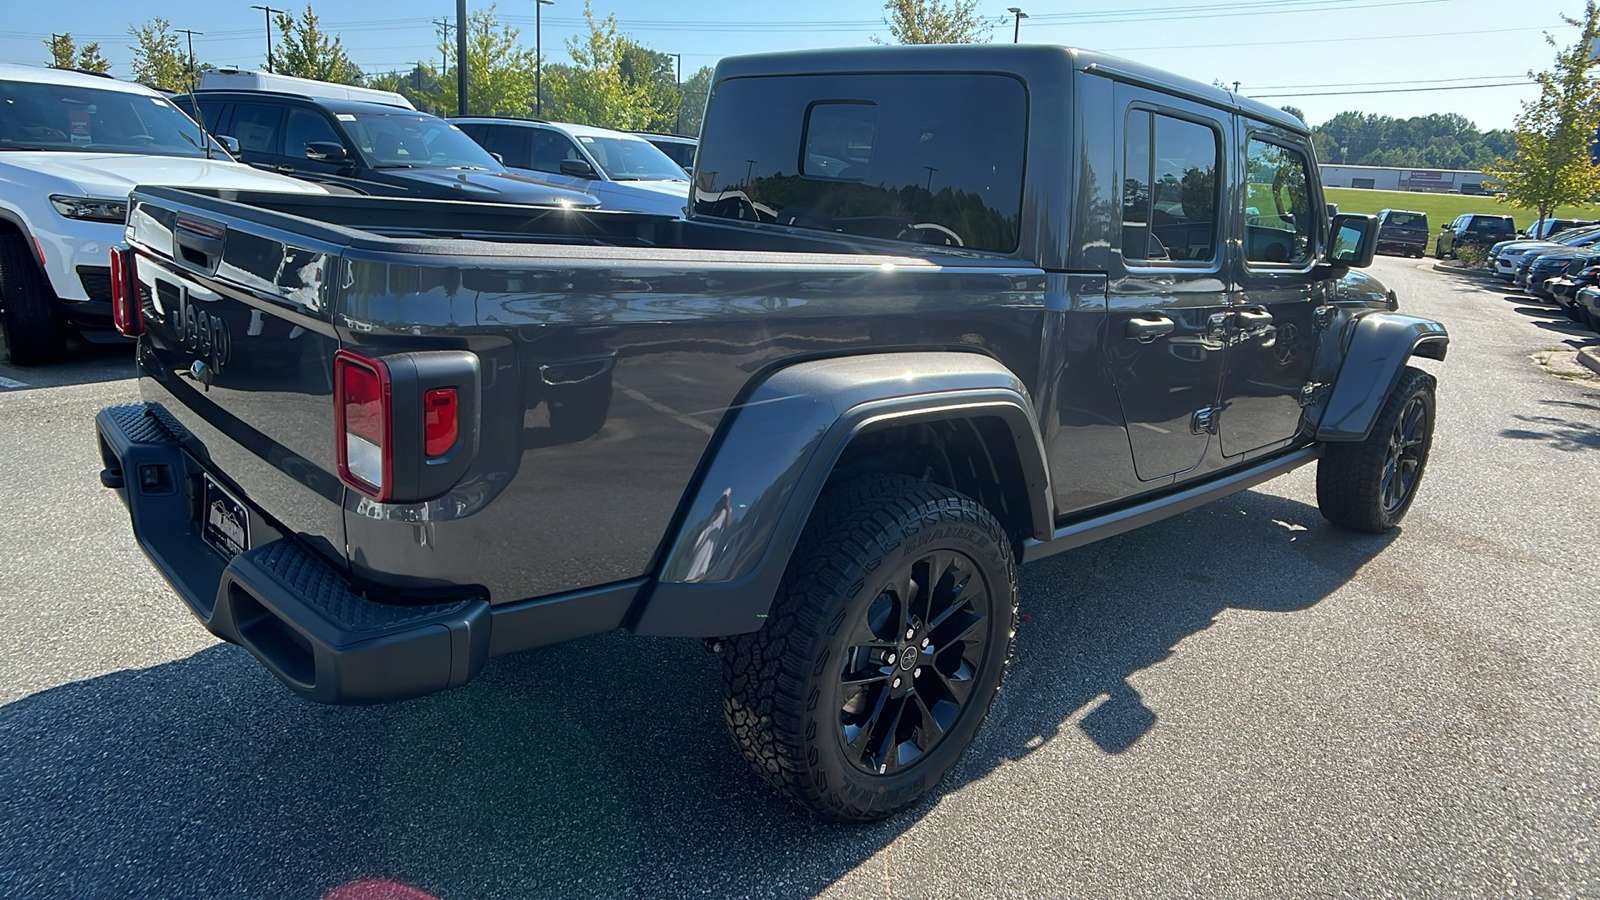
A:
x,y
884,649
35,334
1368,486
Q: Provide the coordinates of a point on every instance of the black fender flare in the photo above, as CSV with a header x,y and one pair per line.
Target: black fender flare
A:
x,y
1377,347
16,221
723,560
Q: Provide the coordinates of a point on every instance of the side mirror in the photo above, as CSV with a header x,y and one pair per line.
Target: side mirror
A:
x,y
327,151
229,143
1448,227
577,168
1355,240
498,158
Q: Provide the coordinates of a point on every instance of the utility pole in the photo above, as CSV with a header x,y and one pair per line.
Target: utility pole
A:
x,y
190,34
461,57
538,56
677,126
444,27
268,11
1016,29
1236,87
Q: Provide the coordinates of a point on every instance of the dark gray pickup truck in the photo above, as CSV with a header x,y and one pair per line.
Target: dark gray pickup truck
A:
x,y
934,313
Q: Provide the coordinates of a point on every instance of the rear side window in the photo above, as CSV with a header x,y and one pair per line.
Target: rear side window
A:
x,y
1278,223
510,141
255,127
924,158
1169,189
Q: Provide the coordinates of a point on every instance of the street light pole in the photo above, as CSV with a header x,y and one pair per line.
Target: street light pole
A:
x,y
677,125
538,56
267,11
461,57
1016,29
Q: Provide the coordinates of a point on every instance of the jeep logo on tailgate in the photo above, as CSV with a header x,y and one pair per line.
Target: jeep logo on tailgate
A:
x,y
202,333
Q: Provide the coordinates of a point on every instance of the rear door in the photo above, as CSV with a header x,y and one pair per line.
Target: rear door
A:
x,y
1272,332
258,127
512,143
1167,295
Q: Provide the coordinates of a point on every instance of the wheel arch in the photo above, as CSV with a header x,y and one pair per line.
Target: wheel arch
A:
x,y
1379,345
948,416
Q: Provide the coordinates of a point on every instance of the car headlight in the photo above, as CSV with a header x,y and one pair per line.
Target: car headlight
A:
x,y
91,209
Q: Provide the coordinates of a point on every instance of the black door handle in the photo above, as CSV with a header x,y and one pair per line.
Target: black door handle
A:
x,y
1148,328
1253,319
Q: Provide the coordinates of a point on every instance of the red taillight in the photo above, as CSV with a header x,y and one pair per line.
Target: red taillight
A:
x,y
127,314
1590,272
440,423
362,402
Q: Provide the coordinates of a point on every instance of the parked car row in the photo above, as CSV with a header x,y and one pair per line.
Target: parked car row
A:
x,y
1564,270
76,144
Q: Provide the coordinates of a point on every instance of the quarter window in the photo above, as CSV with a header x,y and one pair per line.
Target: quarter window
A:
x,y
1169,190
1278,224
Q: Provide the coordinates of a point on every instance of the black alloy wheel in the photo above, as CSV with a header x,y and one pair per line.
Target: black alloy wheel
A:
x,y
1407,452
883,650
1369,485
915,654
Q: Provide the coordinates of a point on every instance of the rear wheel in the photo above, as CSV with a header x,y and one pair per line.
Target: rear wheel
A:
x,y
35,333
884,649
1368,486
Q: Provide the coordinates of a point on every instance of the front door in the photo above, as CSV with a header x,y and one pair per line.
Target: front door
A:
x,y
1272,329
1167,293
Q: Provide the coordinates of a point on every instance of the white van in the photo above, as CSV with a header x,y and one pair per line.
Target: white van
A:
x,y
235,80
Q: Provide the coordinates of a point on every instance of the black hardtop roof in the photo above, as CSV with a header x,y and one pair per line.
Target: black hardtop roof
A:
x,y
331,104
1409,212
1032,62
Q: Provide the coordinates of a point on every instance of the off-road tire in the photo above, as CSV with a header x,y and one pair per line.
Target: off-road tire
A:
x,y
1351,476
35,333
781,685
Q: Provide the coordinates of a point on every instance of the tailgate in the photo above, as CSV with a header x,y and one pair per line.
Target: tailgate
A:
x,y
238,347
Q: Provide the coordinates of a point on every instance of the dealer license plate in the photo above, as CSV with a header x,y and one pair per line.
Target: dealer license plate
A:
x,y
226,526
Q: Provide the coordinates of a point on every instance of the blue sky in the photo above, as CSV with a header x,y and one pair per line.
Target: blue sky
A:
x,y
1346,50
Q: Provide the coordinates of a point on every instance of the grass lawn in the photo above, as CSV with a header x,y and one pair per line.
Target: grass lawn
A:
x,y
1441,208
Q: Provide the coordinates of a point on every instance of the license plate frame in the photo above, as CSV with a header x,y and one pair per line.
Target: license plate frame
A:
x,y
224,520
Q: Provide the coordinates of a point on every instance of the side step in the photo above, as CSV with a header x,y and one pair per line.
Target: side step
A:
x,y
1140,514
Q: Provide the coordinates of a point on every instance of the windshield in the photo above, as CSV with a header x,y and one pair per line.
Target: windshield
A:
x,y
415,140
69,117
631,159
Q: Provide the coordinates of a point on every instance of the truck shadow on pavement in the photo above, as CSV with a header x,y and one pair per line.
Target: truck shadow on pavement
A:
x,y
597,768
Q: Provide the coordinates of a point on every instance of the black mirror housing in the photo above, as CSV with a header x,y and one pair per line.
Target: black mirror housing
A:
x,y
1355,240
327,151
577,168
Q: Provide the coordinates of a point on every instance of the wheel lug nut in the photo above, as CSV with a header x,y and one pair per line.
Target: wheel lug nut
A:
x,y
925,643
897,681
889,659
917,673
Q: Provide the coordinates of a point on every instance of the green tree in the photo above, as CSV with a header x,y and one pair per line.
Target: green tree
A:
x,y
1553,166
420,86
613,82
63,54
932,22
692,105
304,50
499,70
90,60
159,60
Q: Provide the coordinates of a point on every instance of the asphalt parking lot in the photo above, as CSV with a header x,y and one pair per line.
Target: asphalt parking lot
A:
x,y
1238,702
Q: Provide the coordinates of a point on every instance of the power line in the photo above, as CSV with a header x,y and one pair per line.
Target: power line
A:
x,y
1462,87
1391,81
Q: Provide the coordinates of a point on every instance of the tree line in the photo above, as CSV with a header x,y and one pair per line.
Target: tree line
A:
x,y
612,80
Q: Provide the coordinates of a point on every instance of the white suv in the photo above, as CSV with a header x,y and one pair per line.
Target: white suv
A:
x,y
71,148
624,170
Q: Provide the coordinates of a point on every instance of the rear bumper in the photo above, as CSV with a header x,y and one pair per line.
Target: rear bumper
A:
x,y
301,616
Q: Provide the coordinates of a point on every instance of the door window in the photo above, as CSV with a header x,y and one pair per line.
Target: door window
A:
x,y
549,148
510,141
1278,226
1169,189
306,127
255,127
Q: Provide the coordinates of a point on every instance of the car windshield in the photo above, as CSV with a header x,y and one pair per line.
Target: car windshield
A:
x,y
415,141
631,159
72,118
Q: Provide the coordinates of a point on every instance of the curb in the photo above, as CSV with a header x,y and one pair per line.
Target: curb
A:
x,y
1457,270
1590,356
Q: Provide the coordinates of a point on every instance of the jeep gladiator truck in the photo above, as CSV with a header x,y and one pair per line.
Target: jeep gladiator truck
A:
x,y
933,313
